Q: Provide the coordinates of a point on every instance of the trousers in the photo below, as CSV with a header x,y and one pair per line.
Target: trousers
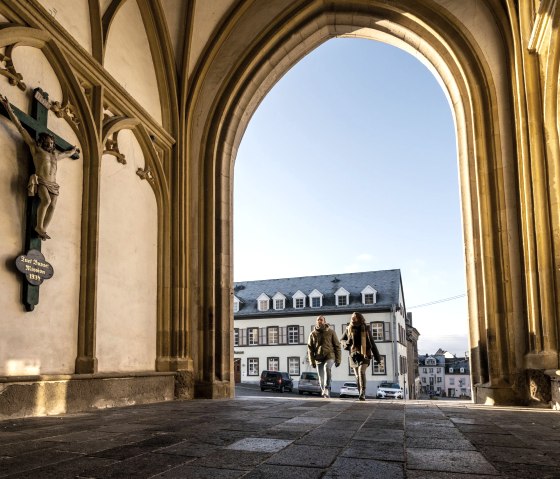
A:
x,y
324,371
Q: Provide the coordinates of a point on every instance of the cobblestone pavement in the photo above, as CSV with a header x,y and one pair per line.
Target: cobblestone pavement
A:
x,y
286,436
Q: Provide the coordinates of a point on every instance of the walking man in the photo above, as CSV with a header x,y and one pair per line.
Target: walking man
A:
x,y
323,349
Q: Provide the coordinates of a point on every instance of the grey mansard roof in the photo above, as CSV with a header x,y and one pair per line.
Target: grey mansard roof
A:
x,y
387,283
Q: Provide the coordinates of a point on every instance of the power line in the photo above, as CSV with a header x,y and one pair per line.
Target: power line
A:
x,y
437,301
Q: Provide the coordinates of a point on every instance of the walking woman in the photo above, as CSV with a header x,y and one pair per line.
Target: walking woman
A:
x,y
361,347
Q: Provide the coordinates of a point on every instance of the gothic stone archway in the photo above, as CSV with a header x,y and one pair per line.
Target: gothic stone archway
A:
x,y
476,52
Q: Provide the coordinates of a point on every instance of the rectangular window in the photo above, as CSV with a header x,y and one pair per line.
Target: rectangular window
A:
x,y
439,370
272,335
278,304
424,380
424,370
300,303
342,300
236,306
368,298
253,336
236,336
452,381
431,370
273,364
293,334
316,302
263,305
293,366
379,368
377,331
438,379
252,366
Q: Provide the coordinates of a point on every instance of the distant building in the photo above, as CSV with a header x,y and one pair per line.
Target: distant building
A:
x,y
445,374
273,319
413,383
457,377
432,373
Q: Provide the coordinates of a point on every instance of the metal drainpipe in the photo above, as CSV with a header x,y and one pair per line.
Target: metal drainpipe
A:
x,y
394,339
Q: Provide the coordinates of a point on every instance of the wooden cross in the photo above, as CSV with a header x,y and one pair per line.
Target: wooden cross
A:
x,y
35,124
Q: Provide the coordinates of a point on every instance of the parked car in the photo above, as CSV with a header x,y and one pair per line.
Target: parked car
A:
x,y
390,390
349,390
277,381
309,383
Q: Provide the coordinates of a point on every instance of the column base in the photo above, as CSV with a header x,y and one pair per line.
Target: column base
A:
x,y
214,390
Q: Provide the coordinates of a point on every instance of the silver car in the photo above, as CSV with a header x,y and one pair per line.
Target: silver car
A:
x,y
309,383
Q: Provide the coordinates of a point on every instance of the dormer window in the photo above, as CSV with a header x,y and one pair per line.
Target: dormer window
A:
x,y
450,370
236,304
299,300
316,299
279,301
430,361
342,297
369,295
462,370
263,302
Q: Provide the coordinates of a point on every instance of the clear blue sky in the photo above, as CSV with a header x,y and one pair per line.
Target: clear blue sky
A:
x,y
349,164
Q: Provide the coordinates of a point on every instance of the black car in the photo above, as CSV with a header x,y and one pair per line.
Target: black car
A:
x,y
276,381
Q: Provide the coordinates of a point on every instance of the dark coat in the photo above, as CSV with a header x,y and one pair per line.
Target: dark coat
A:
x,y
353,339
322,345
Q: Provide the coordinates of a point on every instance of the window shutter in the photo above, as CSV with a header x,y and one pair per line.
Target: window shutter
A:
x,y
242,337
386,332
262,335
282,333
301,341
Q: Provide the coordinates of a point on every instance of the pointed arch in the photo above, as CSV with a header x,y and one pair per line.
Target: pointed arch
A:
x,y
486,155
88,136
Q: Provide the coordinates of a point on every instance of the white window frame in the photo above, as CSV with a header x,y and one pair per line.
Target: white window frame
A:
x,y
380,369
294,366
314,295
236,336
450,370
375,325
367,292
296,298
263,302
253,340
252,366
279,302
342,293
236,304
273,363
276,336
292,332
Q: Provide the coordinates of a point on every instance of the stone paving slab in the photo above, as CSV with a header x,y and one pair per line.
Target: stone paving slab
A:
x,y
288,437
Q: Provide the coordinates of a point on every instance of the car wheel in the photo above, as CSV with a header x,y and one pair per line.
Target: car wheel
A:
x,y
301,393
262,389
342,396
281,389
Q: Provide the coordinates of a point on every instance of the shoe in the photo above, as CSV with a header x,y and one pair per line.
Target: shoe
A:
x,y
327,394
361,398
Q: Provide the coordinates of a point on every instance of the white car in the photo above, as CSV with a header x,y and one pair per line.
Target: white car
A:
x,y
349,390
390,390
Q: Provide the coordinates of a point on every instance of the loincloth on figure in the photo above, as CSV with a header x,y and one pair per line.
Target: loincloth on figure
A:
x,y
36,180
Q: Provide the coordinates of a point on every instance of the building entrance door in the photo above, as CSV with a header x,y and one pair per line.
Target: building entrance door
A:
x,y
237,370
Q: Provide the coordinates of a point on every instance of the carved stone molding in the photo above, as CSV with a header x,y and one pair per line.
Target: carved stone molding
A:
x,y
14,78
112,148
145,174
66,110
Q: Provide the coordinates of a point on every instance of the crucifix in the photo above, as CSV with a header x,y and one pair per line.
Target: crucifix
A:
x,y
42,187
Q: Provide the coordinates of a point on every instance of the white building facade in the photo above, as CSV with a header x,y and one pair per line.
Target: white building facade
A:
x,y
273,320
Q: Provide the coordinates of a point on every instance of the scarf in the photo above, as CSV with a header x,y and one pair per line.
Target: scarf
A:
x,y
363,339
